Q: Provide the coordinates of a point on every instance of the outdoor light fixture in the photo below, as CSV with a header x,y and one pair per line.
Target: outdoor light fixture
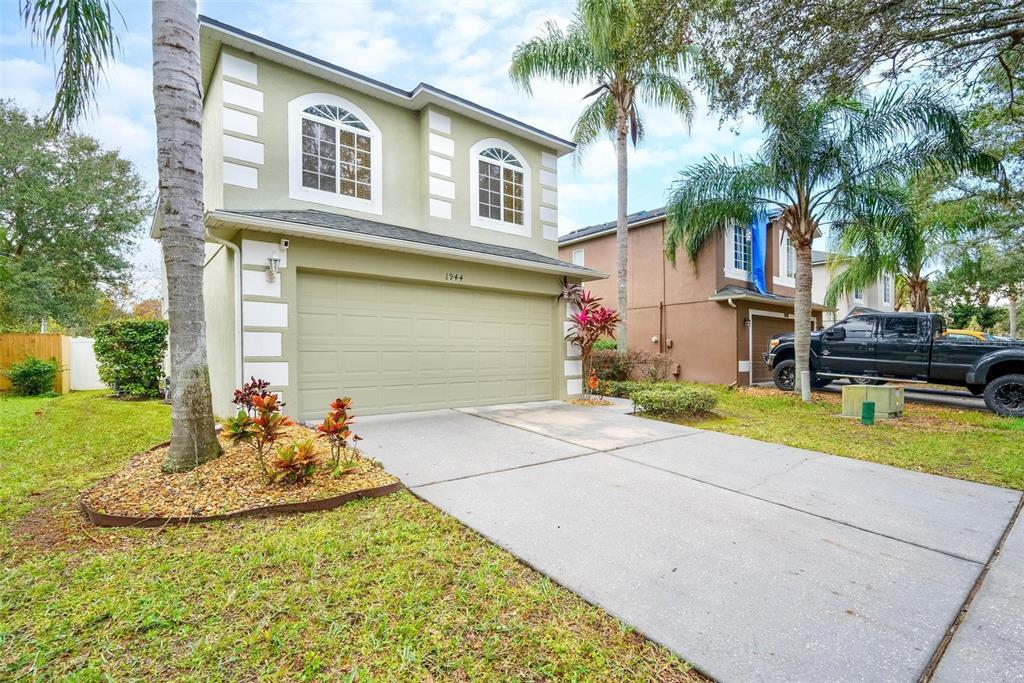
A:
x,y
273,267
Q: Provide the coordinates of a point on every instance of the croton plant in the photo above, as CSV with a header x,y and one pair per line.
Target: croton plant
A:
x,y
590,321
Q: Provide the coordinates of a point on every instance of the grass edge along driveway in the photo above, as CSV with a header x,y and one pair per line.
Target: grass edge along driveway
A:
x,y
380,589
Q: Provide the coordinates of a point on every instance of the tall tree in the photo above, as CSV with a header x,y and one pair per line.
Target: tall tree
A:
x,y
823,162
82,31
70,212
829,46
633,52
919,228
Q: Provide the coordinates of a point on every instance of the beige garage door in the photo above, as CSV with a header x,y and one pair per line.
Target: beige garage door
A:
x,y
395,346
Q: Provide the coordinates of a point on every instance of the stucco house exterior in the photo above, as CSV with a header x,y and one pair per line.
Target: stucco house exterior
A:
x,y
880,296
399,247
706,315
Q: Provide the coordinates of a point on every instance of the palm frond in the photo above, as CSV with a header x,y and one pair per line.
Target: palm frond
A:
x,y
598,118
82,32
661,89
565,57
610,24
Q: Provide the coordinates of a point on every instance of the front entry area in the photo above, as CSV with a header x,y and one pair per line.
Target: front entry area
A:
x,y
397,346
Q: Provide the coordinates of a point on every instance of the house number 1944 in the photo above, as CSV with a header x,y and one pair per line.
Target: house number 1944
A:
x,y
453,277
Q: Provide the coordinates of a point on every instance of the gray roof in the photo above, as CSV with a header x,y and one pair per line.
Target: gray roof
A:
x,y
361,226
591,230
737,292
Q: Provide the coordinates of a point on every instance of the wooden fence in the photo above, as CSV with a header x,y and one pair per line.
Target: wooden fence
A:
x,y
15,347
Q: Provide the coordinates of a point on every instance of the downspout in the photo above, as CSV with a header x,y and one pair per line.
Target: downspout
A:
x,y
237,259
729,301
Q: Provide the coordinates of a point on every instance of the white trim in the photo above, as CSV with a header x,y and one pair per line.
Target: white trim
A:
x,y
549,215
478,221
440,208
550,232
255,283
548,196
216,219
439,122
373,205
574,387
782,278
440,166
886,283
572,368
549,160
275,372
439,144
242,176
264,314
240,122
239,69
744,366
256,253
548,179
242,149
440,187
729,269
262,344
243,96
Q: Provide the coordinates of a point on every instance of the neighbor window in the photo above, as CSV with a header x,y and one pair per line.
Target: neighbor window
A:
x,y
788,258
886,289
858,294
334,155
500,187
577,257
741,248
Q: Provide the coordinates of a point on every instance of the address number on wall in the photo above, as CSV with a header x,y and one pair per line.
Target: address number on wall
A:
x,y
453,277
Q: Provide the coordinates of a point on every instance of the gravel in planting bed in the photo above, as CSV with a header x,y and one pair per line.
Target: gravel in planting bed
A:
x,y
226,485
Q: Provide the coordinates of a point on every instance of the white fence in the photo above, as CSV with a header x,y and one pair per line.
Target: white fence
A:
x,y
84,374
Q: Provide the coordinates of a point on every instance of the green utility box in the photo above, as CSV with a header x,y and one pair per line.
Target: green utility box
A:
x,y
888,401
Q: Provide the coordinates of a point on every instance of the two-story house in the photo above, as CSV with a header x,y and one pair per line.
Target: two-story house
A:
x,y
879,296
399,247
707,315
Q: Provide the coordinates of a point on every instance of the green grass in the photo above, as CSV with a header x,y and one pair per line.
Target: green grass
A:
x,y
384,589
965,444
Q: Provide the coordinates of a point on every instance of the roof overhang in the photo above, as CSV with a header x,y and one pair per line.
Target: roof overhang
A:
x,y
228,220
569,239
767,300
213,34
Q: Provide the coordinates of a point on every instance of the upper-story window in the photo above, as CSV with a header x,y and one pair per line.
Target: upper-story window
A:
x,y
887,289
577,257
500,187
858,293
334,153
789,257
738,252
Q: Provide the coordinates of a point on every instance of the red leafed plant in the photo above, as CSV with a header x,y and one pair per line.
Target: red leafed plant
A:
x,y
295,462
337,429
591,321
259,421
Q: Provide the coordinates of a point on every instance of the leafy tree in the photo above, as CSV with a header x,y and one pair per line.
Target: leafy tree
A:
x,y
82,31
829,161
70,213
920,227
633,52
758,47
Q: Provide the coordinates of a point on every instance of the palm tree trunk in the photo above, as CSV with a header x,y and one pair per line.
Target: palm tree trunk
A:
x,y
802,309
621,227
919,295
178,99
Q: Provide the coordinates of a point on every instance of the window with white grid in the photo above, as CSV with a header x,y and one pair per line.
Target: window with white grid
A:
x,y
500,186
336,152
741,248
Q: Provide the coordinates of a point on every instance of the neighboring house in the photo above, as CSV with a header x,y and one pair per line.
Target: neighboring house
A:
x,y
397,247
706,315
880,296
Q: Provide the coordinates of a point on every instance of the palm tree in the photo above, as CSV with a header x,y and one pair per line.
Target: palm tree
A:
x,y
919,228
83,31
633,52
827,161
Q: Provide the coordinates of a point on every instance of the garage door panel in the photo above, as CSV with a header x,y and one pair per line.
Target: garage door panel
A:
x,y
397,346
763,328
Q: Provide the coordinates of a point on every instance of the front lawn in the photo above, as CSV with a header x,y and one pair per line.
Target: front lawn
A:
x,y
966,444
383,589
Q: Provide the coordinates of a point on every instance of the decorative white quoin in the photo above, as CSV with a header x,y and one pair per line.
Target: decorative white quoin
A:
x,y
334,154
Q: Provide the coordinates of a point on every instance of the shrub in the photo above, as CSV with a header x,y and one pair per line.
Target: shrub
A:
x,y
262,428
32,376
130,354
336,428
606,345
251,389
635,365
620,388
295,462
679,400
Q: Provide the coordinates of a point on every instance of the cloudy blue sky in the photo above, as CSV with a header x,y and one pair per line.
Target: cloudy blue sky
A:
x,y
462,46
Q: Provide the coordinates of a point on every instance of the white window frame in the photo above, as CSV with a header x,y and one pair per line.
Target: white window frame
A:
x,y
478,221
577,261
887,285
785,248
729,267
858,295
297,191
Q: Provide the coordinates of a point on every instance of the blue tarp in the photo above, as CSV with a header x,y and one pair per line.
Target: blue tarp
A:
x,y
758,239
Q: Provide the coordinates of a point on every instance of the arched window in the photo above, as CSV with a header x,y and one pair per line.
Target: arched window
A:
x,y
335,153
500,181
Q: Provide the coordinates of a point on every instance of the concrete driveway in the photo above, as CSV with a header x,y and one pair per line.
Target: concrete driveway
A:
x,y
751,560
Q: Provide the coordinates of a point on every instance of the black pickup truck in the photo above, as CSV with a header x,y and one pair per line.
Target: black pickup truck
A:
x,y
872,348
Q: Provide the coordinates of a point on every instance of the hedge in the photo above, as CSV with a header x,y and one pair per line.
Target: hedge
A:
x,y
130,355
634,364
683,400
32,376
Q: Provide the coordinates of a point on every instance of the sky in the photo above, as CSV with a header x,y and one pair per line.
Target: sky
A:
x,y
463,47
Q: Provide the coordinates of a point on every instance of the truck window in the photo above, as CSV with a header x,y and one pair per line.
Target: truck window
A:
x,y
861,327
899,327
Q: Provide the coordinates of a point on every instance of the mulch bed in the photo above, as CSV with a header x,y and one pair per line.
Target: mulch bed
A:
x,y
231,485
589,402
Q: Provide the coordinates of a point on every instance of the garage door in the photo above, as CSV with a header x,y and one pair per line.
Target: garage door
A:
x,y
396,346
762,328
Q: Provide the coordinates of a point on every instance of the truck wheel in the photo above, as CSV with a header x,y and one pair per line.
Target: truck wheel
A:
x,y
785,375
1005,396
866,381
